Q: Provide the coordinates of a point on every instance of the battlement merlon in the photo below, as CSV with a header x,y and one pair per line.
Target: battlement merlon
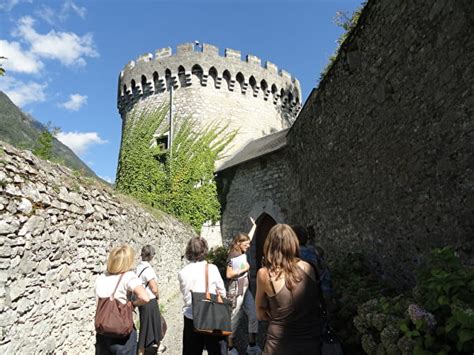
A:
x,y
190,50
151,69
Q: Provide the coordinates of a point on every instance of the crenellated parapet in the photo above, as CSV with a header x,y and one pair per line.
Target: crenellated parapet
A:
x,y
192,65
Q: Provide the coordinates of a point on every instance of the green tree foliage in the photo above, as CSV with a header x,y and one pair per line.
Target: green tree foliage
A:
x,y
2,70
44,145
179,181
218,256
347,23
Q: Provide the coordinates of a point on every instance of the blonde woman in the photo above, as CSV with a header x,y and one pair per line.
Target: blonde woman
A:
x,y
120,277
237,273
288,296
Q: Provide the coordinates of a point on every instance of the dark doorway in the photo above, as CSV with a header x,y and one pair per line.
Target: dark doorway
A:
x,y
264,223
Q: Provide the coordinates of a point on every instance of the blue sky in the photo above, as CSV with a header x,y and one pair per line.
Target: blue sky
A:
x,y
64,57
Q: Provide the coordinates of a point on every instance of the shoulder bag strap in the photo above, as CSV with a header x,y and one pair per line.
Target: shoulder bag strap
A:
x,y
206,280
141,272
116,286
208,295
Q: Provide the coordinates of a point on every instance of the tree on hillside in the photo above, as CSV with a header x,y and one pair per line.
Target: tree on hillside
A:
x,y
44,145
2,70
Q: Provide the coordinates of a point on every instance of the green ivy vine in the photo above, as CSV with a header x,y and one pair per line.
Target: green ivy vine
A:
x,y
179,181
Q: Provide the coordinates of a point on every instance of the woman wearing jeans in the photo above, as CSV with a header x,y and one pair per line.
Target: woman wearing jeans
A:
x,y
237,273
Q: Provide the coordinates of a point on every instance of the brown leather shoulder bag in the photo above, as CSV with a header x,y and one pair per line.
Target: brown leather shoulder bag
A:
x,y
113,318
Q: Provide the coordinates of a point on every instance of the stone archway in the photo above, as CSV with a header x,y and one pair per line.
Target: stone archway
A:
x,y
264,223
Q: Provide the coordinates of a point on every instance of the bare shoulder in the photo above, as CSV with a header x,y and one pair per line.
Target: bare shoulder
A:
x,y
262,274
304,265
307,268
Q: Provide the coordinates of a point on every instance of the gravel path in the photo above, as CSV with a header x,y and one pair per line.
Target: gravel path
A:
x,y
172,311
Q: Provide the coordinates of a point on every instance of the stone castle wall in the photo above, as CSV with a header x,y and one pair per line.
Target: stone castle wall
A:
x,y
383,149
55,232
252,188
249,98
379,160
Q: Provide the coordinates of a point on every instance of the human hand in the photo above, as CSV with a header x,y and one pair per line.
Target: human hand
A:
x,y
252,220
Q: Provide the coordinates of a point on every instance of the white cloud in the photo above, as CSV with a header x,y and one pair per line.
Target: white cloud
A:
x,y
75,102
22,93
79,142
70,6
8,5
52,16
66,47
18,60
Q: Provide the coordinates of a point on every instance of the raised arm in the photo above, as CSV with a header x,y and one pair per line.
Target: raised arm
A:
x,y
252,230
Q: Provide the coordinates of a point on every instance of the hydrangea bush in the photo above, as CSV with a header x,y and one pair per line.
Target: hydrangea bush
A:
x,y
437,318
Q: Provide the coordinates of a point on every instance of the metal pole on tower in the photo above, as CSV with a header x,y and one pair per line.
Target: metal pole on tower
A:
x,y
170,135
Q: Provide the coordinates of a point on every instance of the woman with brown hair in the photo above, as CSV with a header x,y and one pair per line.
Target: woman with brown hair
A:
x,y
238,290
288,296
120,282
192,279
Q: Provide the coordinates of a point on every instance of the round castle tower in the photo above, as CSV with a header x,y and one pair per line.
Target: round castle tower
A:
x,y
252,99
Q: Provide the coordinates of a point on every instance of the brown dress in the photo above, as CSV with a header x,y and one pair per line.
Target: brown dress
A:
x,y
295,324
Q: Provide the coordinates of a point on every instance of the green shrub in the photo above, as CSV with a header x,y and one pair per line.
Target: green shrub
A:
x,y
180,180
437,319
353,289
218,257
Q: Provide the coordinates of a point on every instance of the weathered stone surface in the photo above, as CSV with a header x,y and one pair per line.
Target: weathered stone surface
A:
x,y
43,266
17,289
7,317
9,225
379,160
25,206
34,225
51,254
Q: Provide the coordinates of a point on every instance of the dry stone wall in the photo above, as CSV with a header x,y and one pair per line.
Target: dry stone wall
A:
x,y
56,229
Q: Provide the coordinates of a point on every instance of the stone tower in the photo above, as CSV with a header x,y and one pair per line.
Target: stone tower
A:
x,y
254,99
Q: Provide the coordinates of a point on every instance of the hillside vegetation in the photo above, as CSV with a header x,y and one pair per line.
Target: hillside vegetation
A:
x,y
23,131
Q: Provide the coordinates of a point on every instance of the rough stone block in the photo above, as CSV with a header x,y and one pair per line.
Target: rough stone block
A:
x,y
232,54
251,59
210,49
163,52
185,48
271,67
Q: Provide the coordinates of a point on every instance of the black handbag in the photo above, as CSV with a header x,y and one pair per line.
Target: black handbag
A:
x,y
211,313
